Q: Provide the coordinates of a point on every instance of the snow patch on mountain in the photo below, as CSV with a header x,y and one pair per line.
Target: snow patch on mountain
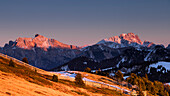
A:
x,y
166,65
125,40
146,58
121,61
107,68
65,68
85,63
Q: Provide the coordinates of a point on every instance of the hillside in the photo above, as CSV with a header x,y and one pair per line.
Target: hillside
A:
x,y
23,79
14,85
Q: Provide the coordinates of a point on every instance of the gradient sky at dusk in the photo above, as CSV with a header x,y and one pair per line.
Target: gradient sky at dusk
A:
x,y
80,22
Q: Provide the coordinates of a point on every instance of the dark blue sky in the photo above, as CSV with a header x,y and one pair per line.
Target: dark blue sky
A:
x,y
81,22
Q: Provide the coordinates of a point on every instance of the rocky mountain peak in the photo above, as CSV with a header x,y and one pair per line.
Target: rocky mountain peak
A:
x,y
36,35
131,37
40,42
114,39
40,37
124,40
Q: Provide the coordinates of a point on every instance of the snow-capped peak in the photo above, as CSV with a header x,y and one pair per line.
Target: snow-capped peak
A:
x,y
124,40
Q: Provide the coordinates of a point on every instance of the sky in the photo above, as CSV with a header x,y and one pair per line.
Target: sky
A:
x,y
81,22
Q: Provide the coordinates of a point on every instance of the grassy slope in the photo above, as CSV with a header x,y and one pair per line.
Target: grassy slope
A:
x,y
16,86
27,77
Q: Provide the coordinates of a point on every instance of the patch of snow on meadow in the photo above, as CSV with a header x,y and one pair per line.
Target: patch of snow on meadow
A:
x,y
168,84
63,73
125,77
73,75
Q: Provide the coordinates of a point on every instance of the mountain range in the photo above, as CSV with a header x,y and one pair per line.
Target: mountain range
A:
x,y
50,54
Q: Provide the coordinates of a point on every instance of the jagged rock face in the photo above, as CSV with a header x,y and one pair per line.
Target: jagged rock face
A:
x,y
125,40
115,39
40,42
131,38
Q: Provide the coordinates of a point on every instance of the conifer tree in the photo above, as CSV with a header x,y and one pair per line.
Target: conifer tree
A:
x,y
119,75
87,70
25,60
99,72
11,63
146,76
79,81
55,78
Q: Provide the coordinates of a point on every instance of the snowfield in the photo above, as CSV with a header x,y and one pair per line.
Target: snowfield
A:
x,y
73,75
125,77
162,63
167,84
63,73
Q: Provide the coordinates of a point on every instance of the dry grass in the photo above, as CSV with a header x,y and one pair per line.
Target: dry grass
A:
x,y
93,89
99,78
16,86
23,72
26,75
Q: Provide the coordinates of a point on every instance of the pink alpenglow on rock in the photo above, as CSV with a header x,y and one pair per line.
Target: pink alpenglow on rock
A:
x,y
41,42
125,40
